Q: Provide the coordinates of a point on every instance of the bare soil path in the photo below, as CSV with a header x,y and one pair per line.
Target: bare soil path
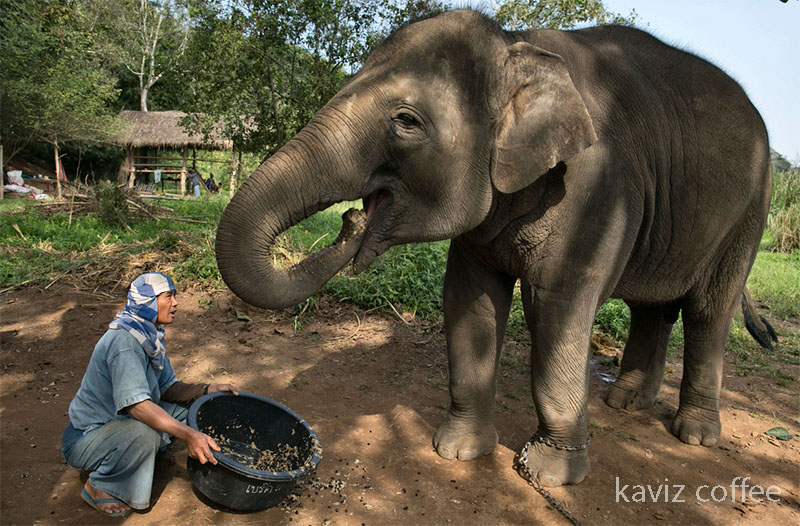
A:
x,y
375,389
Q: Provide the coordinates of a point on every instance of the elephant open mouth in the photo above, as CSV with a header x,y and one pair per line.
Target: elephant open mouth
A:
x,y
369,248
373,201
359,229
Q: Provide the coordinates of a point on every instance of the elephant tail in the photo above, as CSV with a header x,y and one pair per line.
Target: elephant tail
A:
x,y
757,326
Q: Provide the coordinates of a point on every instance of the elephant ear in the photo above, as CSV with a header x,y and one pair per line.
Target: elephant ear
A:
x,y
544,120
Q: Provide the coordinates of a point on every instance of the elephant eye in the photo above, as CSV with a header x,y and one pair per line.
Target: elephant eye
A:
x,y
406,119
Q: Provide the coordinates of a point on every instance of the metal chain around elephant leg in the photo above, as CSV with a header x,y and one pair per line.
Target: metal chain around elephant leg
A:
x,y
521,465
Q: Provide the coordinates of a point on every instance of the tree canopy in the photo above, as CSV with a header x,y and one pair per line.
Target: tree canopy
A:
x,y
267,67
55,86
261,68
520,15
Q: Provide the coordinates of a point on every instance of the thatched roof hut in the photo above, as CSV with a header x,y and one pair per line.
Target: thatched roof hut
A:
x,y
162,129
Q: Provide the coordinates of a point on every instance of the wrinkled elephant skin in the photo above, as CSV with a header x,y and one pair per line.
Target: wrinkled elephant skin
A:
x,y
584,164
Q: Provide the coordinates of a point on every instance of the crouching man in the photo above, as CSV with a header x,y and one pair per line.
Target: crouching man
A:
x,y
130,403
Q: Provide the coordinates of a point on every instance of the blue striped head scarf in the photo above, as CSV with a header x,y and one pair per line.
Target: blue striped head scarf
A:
x,y
141,314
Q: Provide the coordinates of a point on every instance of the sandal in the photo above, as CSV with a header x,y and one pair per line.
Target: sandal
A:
x,y
94,502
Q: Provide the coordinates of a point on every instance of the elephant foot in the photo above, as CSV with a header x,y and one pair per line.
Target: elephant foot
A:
x,y
456,438
557,467
623,395
697,426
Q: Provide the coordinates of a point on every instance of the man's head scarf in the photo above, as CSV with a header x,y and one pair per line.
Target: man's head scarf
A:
x,y
141,314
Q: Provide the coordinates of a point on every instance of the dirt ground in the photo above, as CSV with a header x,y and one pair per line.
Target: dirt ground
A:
x,y
374,388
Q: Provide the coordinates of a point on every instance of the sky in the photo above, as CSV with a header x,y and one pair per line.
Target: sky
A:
x,y
757,42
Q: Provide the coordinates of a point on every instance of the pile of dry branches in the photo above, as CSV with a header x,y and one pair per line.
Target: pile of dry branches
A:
x,y
111,274
81,199
109,267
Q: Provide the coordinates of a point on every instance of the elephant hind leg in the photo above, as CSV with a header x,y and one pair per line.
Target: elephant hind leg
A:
x,y
707,316
642,369
697,420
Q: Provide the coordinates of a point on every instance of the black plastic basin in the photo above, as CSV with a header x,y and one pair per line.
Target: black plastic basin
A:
x,y
249,424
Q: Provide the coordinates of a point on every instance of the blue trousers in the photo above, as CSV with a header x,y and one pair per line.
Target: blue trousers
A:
x,y
121,455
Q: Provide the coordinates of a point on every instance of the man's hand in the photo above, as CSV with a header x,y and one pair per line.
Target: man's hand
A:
x,y
199,446
215,388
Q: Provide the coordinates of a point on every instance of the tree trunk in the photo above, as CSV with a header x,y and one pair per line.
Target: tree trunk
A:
x,y
143,98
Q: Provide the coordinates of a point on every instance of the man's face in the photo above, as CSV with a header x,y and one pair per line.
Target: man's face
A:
x,y
167,307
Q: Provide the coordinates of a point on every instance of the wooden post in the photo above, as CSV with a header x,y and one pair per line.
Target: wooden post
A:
x,y
234,170
131,168
58,171
183,173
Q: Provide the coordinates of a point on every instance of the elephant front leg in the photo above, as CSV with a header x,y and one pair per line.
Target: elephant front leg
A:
x,y
476,305
560,328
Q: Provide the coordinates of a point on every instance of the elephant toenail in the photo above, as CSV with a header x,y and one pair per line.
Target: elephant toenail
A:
x,y
550,481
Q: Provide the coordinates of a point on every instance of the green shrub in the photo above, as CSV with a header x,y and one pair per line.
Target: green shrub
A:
x,y
112,205
775,280
37,248
516,318
783,223
614,319
407,278
199,266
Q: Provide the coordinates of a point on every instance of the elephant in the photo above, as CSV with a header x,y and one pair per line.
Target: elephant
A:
x,y
585,164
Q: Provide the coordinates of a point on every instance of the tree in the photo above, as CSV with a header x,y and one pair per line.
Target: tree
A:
x,y
55,86
519,15
147,38
779,162
413,10
269,66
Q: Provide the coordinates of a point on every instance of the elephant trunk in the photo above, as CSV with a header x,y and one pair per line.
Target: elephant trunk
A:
x,y
287,188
